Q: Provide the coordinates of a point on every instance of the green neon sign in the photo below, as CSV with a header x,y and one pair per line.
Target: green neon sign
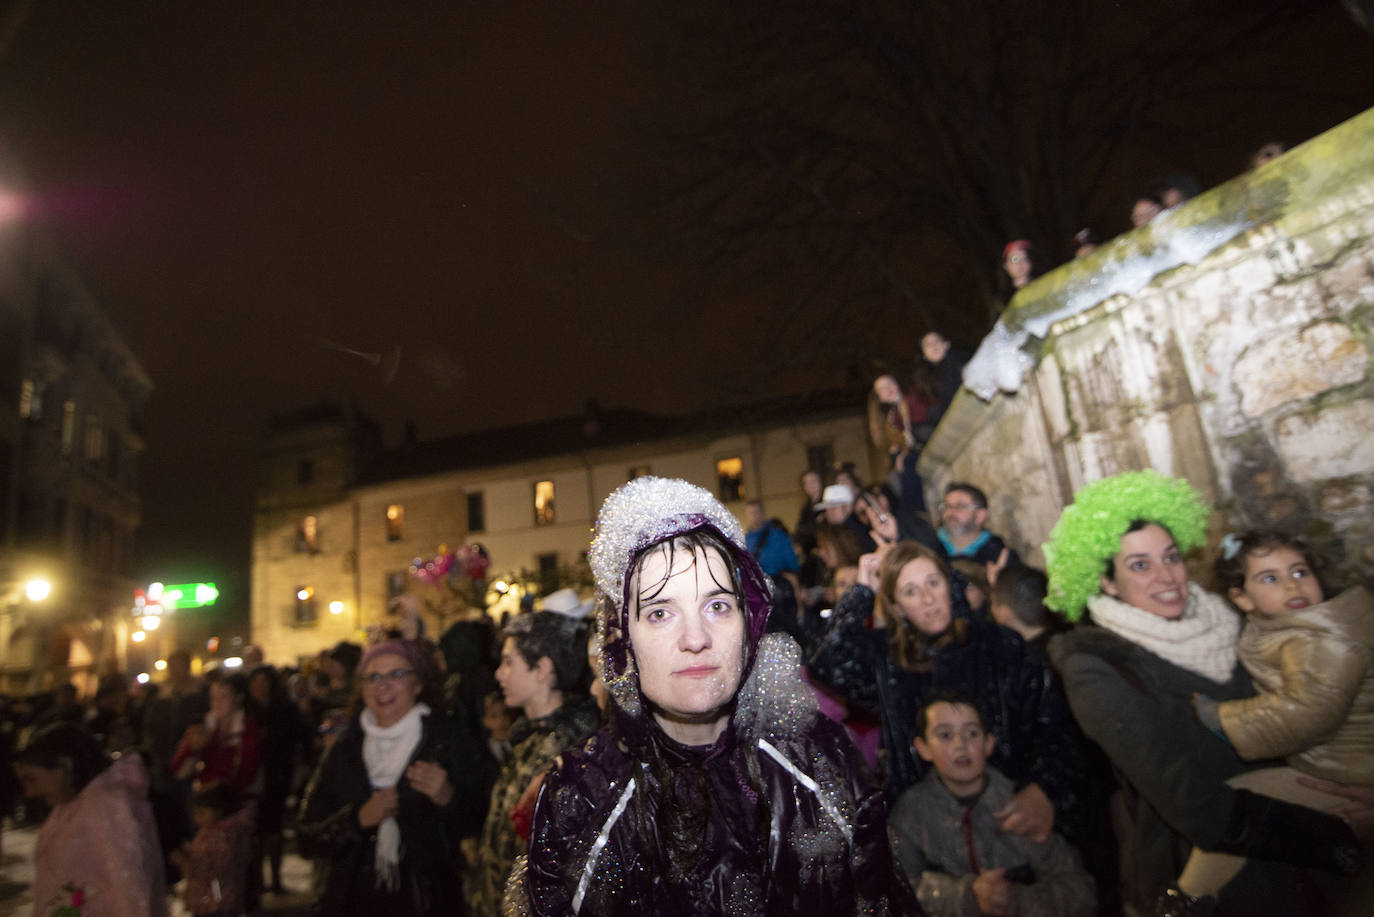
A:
x,y
188,595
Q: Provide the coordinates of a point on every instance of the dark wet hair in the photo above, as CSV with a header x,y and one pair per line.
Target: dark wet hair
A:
x,y
1230,572
954,697
546,633
704,540
66,744
1022,589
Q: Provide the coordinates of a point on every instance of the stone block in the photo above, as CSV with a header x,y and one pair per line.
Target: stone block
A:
x,y
1345,495
1294,367
1331,443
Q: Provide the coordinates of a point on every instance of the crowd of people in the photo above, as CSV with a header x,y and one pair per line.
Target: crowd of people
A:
x,y
763,721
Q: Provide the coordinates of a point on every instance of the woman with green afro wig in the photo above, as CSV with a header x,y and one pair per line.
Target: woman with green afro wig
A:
x,y
1089,532
1156,641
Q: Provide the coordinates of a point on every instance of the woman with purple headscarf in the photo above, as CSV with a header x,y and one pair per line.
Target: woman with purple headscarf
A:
x,y
717,788
386,801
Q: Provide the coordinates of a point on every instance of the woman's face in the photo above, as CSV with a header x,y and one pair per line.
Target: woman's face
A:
x,y
886,389
687,631
1148,573
811,484
223,700
50,784
393,691
923,596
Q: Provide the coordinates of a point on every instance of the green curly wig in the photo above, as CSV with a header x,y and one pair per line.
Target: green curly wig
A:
x,y
1089,531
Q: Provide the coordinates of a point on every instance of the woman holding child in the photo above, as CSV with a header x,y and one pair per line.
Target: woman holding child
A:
x,y
717,788
1158,642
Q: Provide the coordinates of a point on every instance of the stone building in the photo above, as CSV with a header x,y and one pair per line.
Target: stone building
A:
x,y
70,440
334,528
1227,342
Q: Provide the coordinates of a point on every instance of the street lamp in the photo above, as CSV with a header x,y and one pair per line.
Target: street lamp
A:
x,y
37,589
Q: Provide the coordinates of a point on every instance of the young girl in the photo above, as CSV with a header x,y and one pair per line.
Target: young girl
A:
x,y
1312,661
216,861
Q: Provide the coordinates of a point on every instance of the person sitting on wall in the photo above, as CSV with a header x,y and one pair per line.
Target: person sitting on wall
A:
x,y
963,514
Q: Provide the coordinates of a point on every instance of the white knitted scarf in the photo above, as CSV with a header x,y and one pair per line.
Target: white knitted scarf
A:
x,y
1202,640
386,752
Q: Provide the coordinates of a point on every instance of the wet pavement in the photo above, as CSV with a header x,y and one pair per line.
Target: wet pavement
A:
x,y
16,879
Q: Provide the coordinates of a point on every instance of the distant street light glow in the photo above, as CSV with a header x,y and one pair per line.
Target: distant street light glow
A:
x,y
151,622
138,636
336,608
37,589
144,678
160,665
233,662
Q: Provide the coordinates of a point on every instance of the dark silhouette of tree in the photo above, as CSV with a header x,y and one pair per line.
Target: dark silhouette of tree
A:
x,y
849,170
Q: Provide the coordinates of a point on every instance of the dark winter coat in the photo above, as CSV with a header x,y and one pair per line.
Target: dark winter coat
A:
x,y
1020,700
777,816
328,828
535,745
1172,772
811,840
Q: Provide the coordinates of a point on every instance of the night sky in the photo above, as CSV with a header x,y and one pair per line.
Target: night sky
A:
x,y
249,186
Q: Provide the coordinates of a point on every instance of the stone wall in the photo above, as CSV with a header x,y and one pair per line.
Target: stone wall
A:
x,y
1228,342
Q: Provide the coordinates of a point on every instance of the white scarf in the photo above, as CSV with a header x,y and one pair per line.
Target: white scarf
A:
x,y
386,752
1202,640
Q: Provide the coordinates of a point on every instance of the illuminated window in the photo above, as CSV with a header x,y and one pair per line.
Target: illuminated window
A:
x,y
395,522
305,605
730,479
638,471
68,426
30,403
543,503
310,534
477,512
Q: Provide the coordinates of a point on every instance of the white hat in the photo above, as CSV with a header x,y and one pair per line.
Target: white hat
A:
x,y
835,495
566,603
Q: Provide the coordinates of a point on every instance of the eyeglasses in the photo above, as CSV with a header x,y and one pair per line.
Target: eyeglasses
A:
x,y
1016,259
395,676
957,507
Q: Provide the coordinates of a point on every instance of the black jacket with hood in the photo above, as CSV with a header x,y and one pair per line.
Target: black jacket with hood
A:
x,y
793,822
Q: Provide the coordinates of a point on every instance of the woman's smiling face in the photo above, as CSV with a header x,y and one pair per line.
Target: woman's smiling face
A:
x,y
1148,573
